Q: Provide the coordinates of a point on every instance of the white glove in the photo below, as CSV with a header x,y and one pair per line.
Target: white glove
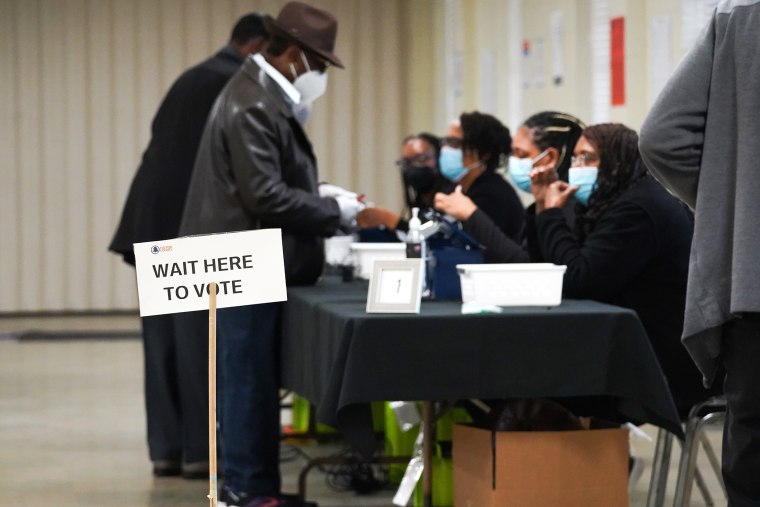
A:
x,y
328,190
349,207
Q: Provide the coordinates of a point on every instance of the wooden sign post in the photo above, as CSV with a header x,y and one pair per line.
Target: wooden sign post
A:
x,y
213,483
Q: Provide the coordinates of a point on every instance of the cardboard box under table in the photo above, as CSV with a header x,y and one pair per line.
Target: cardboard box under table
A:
x,y
585,468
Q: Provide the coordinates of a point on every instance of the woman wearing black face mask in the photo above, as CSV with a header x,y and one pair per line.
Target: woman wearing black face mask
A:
x,y
421,179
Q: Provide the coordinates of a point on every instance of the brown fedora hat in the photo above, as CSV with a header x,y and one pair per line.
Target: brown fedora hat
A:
x,y
310,27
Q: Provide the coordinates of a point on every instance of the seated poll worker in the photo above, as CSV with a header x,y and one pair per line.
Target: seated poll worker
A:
x,y
421,180
475,146
255,169
629,246
542,145
544,140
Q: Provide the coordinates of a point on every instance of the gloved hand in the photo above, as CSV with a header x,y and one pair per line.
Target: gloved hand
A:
x,y
349,207
328,190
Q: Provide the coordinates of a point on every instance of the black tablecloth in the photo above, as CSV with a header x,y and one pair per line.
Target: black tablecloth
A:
x,y
594,357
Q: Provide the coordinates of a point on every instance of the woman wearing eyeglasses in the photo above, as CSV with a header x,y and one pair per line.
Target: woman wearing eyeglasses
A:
x,y
628,246
474,147
421,179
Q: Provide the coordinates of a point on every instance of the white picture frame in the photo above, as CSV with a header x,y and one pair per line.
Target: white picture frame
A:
x,y
395,286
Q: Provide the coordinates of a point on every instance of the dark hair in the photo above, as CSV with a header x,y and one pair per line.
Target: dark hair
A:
x,y
620,168
278,44
551,129
486,135
248,27
432,140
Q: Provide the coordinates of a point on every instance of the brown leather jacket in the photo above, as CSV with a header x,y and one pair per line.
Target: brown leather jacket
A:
x,y
255,169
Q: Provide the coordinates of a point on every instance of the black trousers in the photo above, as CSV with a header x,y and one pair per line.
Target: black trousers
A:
x,y
741,437
176,386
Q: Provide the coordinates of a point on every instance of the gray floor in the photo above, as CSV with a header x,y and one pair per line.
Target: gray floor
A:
x,y
72,425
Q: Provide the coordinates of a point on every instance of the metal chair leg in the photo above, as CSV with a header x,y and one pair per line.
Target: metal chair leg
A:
x,y
660,467
686,466
687,470
702,486
714,461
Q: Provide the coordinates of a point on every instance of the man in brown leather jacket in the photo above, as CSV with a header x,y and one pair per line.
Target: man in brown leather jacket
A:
x,y
255,169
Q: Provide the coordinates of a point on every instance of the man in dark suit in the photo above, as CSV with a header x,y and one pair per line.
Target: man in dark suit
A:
x,y
176,365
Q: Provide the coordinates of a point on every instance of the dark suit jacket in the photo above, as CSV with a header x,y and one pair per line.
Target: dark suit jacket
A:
x,y
157,196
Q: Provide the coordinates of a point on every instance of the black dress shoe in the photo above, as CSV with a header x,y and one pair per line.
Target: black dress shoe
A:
x,y
166,468
195,470
294,501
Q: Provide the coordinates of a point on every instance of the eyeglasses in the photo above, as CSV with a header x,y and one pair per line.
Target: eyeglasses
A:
x,y
417,160
584,159
454,142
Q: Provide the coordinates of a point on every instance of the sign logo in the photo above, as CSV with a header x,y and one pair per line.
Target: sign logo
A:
x,y
156,249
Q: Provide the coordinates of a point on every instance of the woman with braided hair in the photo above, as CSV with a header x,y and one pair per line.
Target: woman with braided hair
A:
x,y
546,141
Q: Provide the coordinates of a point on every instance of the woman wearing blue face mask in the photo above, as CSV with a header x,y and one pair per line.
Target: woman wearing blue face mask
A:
x,y
541,152
474,147
629,245
545,141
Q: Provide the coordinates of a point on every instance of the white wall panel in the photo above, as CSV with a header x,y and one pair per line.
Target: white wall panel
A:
x,y
78,247
52,170
124,148
9,158
150,87
197,30
100,63
30,140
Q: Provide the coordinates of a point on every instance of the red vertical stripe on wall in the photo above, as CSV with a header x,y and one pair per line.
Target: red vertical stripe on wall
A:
x,y
617,60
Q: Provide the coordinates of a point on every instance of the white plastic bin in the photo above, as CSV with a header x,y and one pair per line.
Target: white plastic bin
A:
x,y
534,284
338,250
365,255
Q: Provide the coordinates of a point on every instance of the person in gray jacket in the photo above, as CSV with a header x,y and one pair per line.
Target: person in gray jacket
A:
x,y
701,141
255,169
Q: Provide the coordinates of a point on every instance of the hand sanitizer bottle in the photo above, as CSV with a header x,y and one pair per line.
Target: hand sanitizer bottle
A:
x,y
416,247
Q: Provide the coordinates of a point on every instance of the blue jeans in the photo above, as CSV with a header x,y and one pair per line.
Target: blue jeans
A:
x,y
248,397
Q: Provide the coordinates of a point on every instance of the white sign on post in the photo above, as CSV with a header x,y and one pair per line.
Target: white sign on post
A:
x,y
173,275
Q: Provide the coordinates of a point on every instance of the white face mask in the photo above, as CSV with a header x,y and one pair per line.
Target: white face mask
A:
x,y
311,84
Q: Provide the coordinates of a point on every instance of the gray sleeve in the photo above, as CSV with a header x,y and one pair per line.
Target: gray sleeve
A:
x,y
672,135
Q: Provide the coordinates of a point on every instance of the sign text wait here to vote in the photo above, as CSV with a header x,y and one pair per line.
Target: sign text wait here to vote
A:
x,y
174,275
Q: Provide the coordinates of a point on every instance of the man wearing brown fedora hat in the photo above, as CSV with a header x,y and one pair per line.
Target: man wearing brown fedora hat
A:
x,y
255,169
